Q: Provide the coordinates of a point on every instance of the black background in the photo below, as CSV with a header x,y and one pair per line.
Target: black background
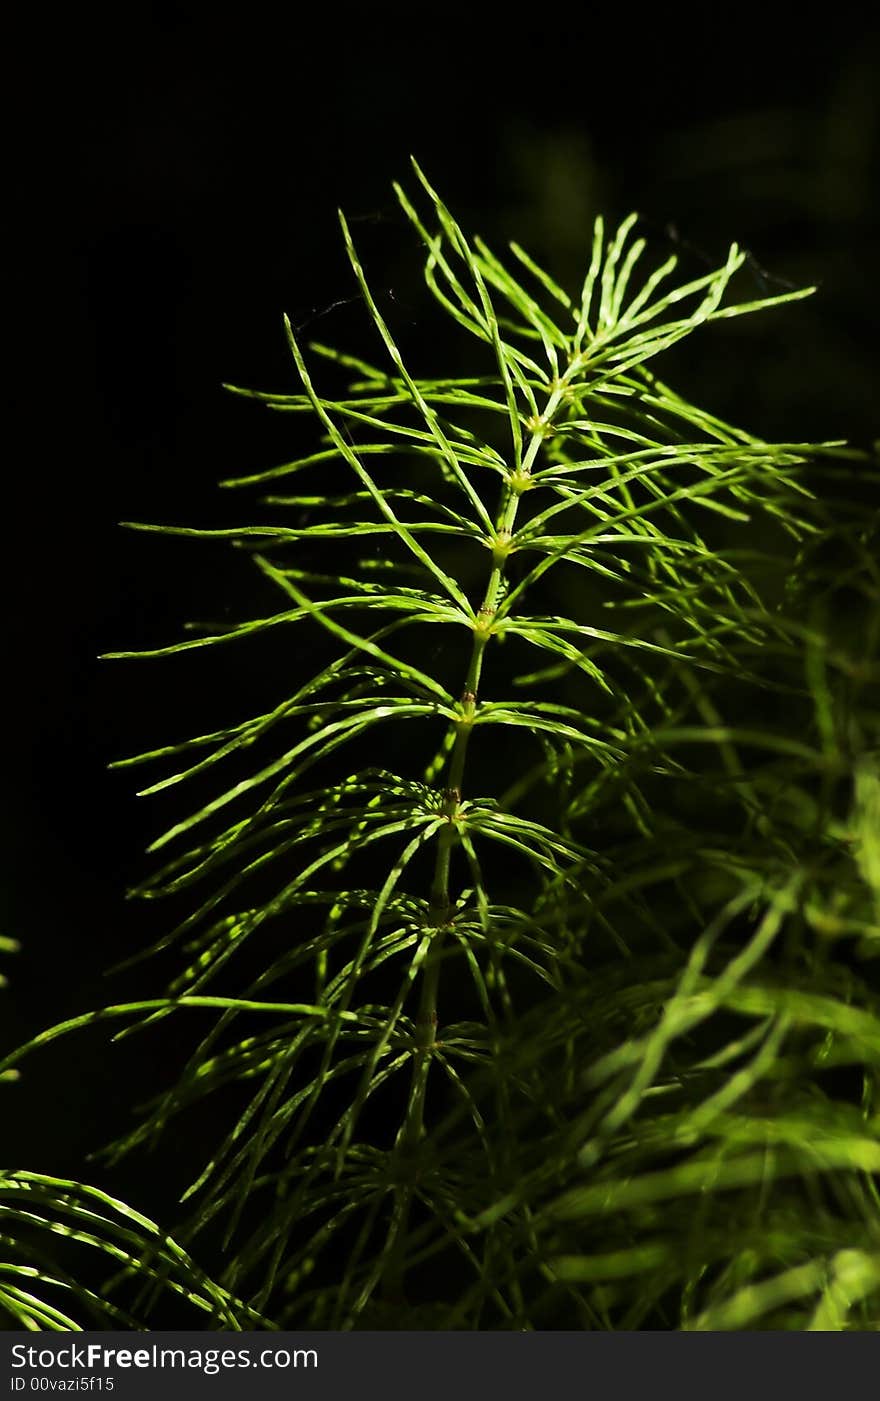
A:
x,y
174,182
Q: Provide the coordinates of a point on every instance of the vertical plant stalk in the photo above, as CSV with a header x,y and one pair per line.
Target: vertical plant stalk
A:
x,y
441,905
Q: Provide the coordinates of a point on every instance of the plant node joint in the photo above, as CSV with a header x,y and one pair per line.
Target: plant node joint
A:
x,y
520,481
539,426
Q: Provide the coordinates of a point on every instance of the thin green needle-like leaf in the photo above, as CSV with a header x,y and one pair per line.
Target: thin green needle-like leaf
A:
x,y
543,277
583,317
317,611
426,411
609,281
424,558
237,1004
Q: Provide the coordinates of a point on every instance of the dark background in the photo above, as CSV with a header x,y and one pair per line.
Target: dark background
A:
x,y
174,183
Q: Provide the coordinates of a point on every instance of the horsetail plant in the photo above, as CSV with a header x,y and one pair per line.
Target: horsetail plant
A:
x,y
548,1007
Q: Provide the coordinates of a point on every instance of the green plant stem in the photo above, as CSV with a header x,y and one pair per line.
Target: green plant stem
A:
x,y
413,1128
